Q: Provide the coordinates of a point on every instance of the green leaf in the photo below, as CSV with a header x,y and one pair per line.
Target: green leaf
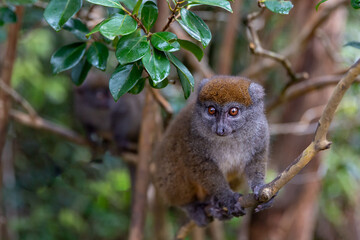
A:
x,y
131,49
192,47
76,27
124,79
138,87
149,14
67,56
21,2
114,3
58,12
281,7
217,3
97,55
165,41
186,78
118,24
7,16
195,27
80,71
107,3
355,4
160,85
319,3
157,65
137,7
97,27
353,44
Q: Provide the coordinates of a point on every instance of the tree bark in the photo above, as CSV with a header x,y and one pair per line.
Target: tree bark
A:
x,y
5,100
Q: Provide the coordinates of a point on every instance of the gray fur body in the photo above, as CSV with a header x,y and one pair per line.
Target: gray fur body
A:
x,y
200,153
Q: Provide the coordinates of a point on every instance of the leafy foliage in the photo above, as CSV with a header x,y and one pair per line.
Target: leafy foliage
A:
x,y
353,44
7,16
132,45
355,4
319,3
281,7
58,12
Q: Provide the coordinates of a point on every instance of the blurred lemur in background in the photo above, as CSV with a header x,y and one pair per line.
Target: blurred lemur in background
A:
x,y
105,120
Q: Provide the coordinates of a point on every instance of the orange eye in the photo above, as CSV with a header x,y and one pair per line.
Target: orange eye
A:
x,y
211,110
234,111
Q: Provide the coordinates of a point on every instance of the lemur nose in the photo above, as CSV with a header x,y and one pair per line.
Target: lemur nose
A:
x,y
220,131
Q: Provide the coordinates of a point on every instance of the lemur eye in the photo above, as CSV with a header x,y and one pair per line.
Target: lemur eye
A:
x,y
211,110
234,111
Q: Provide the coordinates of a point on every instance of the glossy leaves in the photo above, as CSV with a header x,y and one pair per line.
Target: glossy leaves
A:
x,y
21,2
186,78
7,16
131,49
124,79
80,71
355,4
114,3
76,27
217,3
192,47
139,86
353,44
195,27
319,3
67,56
281,7
58,12
157,65
165,41
149,14
118,24
107,3
97,55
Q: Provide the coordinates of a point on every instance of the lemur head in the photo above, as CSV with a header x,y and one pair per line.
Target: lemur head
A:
x,y
224,104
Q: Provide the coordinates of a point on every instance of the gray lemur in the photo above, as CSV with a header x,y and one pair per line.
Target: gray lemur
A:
x,y
221,133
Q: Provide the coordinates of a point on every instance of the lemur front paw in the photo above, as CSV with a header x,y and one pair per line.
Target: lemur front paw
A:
x,y
196,212
224,207
264,205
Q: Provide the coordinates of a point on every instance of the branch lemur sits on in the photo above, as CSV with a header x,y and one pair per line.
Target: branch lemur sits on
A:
x,y
221,133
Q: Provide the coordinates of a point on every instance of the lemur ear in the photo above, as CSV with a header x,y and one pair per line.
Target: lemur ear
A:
x,y
256,92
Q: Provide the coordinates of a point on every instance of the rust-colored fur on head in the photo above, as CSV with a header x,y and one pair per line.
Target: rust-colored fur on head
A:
x,y
224,89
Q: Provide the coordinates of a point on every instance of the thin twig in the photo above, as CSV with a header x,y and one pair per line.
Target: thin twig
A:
x,y
305,87
172,17
17,98
298,43
42,124
319,142
257,49
162,101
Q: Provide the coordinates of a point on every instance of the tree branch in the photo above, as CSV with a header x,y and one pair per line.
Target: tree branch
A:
x,y
42,124
318,144
257,49
17,98
162,101
299,42
148,135
303,88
